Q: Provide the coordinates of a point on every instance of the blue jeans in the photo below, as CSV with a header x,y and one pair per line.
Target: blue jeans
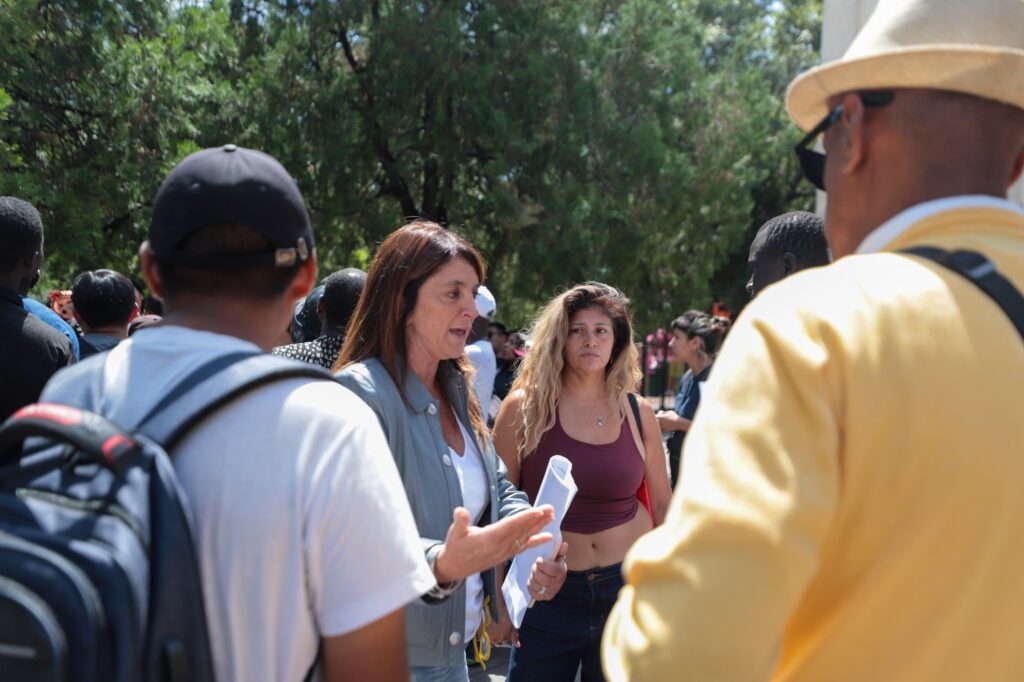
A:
x,y
560,635
455,673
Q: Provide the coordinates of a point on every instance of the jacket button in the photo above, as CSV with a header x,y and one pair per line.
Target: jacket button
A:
x,y
455,638
447,460
431,409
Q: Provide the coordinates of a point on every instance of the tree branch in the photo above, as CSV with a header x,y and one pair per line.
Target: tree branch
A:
x,y
346,46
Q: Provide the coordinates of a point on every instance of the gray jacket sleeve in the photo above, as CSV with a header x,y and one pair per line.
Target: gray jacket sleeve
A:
x,y
511,500
363,386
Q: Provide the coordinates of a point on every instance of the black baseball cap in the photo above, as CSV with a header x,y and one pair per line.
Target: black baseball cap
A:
x,y
230,185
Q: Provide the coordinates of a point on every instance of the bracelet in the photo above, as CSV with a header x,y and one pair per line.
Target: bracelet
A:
x,y
440,591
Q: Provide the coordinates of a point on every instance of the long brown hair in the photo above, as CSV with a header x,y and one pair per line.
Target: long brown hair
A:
x,y
408,256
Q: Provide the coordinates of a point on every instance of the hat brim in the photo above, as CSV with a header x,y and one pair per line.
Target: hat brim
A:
x,y
991,73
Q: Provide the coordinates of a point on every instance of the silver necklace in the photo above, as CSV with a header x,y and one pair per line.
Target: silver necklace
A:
x,y
598,419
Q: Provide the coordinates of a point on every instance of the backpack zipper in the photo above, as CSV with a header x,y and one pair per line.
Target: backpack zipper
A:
x,y
100,507
76,577
43,614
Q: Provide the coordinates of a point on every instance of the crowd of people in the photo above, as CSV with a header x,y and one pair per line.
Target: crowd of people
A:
x,y
834,495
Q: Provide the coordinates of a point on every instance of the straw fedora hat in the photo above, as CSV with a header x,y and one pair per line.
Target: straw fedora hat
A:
x,y
970,46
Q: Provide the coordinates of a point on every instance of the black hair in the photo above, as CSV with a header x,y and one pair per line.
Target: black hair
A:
x,y
708,329
140,292
341,294
260,283
21,232
799,233
682,323
103,298
501,327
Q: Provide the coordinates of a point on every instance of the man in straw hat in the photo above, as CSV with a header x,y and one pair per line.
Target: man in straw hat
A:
x,y
850,505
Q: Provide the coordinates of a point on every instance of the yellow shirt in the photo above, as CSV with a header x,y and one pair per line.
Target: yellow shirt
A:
x,y
851,505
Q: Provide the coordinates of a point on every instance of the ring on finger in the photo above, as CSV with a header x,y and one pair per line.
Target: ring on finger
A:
x,y
543,590
519,544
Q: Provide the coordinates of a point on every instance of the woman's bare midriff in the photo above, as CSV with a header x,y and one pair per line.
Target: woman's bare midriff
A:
x,y
607,547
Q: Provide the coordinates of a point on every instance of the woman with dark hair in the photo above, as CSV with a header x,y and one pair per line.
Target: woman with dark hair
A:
x,y
573,397
404,355
696,338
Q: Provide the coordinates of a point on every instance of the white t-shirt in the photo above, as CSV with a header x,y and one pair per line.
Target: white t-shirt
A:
x,y
481,354
303,529
475,495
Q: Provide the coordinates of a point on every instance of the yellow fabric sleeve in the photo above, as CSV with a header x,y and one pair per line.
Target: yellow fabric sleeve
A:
x,y
709,592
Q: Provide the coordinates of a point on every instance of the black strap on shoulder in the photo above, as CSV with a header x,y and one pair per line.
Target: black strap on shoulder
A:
x,y
633,405
213,385
983,273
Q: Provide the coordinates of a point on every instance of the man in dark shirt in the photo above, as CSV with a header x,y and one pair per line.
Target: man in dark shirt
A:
x,y
338,301
105,303
785,244
30,350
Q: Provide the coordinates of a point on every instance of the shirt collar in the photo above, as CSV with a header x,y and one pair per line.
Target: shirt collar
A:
x,y
420,397
887,232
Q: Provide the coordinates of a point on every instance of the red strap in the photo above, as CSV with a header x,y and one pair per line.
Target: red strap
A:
x,y
62,414
644,496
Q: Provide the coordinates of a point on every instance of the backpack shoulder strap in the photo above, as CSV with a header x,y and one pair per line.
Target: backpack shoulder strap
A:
x,y
635,407
983,274
213,385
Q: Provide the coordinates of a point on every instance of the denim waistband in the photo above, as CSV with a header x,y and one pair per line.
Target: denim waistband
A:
x,y
597,574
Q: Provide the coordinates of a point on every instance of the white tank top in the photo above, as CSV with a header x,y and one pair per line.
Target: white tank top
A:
x,y
473,480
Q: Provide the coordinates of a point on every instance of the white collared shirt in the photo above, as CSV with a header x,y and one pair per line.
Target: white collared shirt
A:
x,y
892,228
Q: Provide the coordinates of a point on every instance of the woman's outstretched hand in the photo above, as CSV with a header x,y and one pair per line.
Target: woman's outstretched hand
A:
x,y
471,549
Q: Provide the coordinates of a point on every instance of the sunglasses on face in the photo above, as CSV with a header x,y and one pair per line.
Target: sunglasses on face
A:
x,y
812,163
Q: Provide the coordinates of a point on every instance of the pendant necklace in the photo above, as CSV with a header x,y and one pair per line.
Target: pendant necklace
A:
x,y
599,420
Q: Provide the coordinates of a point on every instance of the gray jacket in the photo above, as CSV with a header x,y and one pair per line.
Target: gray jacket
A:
x,y
434,631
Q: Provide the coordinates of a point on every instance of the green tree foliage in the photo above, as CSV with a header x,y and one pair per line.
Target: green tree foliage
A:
x,y
635,142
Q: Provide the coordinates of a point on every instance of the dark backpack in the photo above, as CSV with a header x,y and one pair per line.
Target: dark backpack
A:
x,y
98,572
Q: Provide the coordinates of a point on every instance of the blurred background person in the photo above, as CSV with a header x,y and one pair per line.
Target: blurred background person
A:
x,y
784,245
104,304
54,320
340,295
32,349
60,303
696,338
305,324
142,322
480,350
509,357
497,333
404,355
572,398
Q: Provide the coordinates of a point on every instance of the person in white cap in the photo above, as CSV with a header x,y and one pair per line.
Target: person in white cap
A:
x,y
480,351
850,504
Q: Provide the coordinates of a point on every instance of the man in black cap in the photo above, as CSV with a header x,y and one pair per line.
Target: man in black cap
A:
x,y
31,350
307,548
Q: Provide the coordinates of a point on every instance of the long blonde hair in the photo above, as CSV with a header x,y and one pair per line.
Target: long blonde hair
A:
x,y
540,375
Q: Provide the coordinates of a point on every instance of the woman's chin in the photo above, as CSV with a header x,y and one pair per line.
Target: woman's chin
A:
x,y
595,367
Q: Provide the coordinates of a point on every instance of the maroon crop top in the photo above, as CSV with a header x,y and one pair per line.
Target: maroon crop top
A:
x,y
607,477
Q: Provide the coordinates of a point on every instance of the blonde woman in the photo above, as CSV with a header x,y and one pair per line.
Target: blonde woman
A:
x,y
572,398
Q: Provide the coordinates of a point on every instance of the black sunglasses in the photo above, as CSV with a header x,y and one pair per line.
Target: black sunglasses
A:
x,y
812,163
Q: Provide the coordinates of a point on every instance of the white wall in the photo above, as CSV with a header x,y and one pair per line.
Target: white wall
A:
x,y
843,18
